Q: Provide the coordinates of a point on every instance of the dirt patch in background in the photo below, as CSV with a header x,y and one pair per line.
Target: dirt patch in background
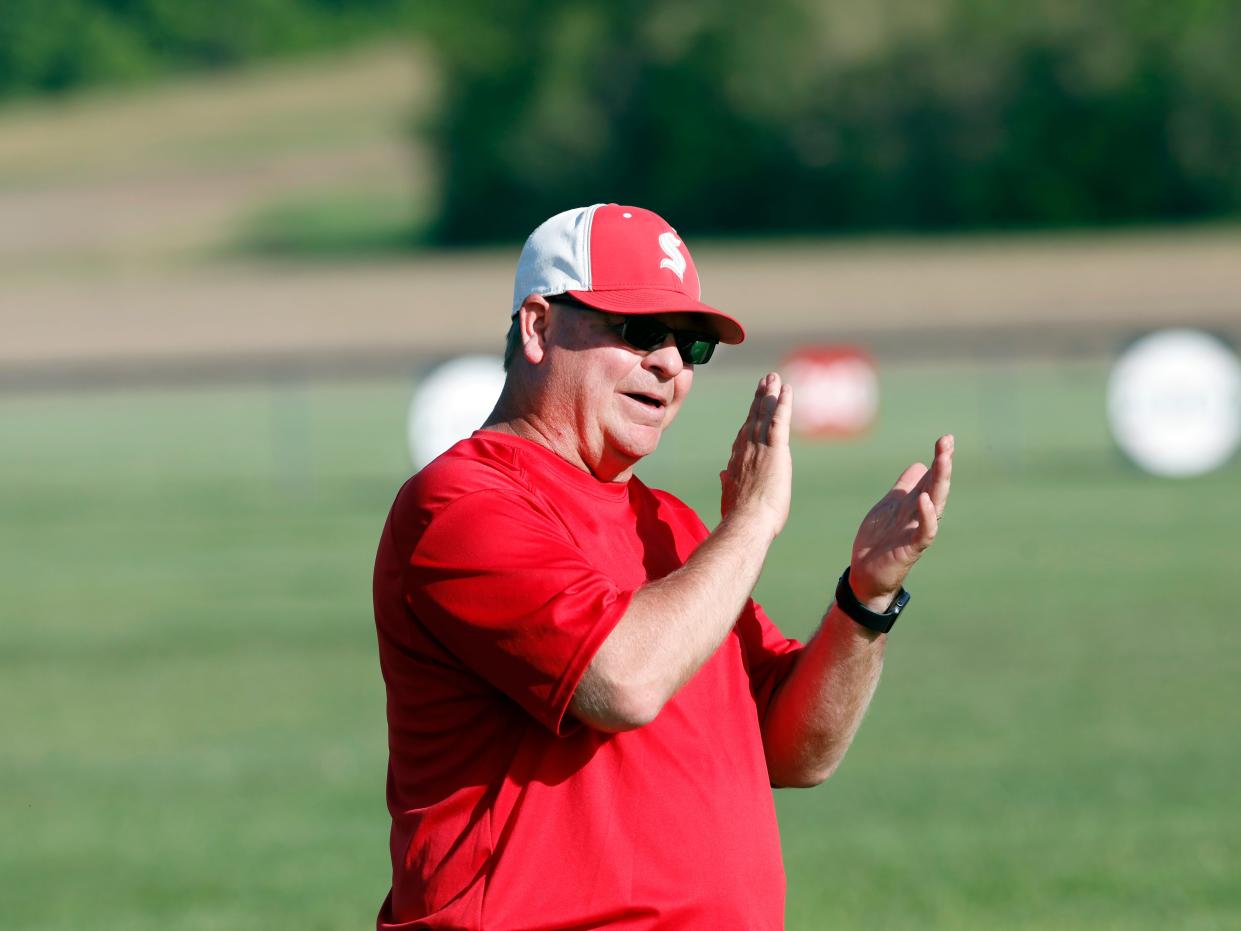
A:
x,y
916,299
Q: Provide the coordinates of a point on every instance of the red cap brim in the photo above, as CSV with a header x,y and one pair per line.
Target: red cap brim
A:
x,y
659,301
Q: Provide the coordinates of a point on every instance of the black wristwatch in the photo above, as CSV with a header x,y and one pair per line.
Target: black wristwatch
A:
x,y
856,611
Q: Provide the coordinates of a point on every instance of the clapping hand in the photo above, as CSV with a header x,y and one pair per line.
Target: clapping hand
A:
x,y
759,477
897,530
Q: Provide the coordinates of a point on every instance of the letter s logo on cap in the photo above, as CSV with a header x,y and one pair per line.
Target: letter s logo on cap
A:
x,y
675,260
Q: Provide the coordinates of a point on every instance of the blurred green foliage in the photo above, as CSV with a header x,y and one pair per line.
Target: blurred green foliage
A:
x,y
753,115
747,115
62,45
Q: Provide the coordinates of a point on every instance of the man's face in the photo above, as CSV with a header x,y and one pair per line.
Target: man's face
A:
x,y
616,399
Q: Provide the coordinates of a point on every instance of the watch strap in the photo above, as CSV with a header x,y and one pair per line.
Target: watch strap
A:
x,y
847,601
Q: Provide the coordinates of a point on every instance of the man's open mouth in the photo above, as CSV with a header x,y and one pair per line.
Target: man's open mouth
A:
x,y
648,399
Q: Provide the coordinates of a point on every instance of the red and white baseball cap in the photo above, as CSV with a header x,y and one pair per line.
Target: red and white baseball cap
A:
x,y
624,260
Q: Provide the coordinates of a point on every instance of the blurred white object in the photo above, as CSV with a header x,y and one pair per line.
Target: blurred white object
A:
x,y
451,402
1174,402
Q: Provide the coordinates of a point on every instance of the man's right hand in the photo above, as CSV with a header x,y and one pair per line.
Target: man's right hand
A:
x,y
758,483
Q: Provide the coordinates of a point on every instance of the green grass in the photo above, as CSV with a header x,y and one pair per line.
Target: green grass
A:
x,y
193,714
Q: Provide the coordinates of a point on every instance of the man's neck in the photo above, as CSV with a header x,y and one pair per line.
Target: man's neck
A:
x,y
564,444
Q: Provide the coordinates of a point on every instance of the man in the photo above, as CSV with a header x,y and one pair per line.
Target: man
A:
x,y
586,709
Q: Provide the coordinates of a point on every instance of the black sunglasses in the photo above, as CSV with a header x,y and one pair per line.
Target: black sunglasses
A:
x,y
647,334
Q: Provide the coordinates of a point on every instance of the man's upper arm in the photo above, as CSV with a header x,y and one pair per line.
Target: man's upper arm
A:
x,y
499,582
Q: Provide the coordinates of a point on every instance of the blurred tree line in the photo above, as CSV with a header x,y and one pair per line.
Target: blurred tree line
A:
x,y
748,115
751,115
49,46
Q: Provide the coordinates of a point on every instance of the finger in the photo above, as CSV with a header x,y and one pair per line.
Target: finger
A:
x,y
928,518
778,433
749,429
758,394
941,469
910,478
767,409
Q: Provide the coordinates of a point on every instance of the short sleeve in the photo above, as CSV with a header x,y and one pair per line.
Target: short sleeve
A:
x,y
769,655
501,585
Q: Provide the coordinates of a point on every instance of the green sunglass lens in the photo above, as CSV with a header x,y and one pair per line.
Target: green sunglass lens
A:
x,y
698,352
644,334
649,335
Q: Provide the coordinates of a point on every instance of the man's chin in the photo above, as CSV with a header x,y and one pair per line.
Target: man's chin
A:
x,y
636,443
643,440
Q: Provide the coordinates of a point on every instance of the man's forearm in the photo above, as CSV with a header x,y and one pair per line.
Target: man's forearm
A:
x,y
816,711
672,626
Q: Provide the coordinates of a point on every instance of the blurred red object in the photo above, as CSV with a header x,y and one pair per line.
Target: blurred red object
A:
x,y
836,390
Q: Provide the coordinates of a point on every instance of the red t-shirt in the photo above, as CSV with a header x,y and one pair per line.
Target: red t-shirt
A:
x,y
501,570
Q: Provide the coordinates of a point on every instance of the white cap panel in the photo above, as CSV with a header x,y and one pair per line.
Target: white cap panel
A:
x,y
556,257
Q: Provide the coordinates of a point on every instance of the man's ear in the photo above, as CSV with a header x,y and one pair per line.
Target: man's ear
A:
x,y
533,317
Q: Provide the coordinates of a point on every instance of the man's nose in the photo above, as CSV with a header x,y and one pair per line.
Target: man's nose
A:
x,y
665,361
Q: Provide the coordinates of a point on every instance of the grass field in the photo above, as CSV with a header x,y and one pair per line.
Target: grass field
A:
x,y
193,714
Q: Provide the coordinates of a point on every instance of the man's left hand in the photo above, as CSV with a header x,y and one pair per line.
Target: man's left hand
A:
x,y
897,530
